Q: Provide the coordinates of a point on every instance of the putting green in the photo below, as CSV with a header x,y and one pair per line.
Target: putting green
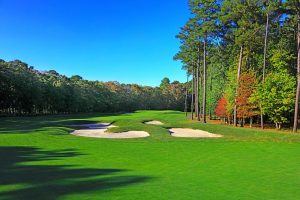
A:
x,y
40,159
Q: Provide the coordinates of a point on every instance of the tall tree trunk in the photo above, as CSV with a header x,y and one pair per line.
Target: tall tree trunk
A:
x,y
186,95
196,92
242,122
298,79
200,86
266,47
192,103
204,79
264,68
237,86
210,89
198,114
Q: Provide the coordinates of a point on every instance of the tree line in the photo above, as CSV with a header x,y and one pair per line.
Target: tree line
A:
x,y
27,91
243,57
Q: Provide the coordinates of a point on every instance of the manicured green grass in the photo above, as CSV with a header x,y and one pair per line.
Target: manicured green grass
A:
x,y
41,160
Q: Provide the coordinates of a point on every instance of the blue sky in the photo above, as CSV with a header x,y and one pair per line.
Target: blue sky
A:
x,y
129,41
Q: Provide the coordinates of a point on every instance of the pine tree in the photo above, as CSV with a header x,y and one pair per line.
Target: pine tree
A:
x,y
206,15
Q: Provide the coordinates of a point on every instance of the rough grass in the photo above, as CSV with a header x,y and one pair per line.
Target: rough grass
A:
x,y
39,159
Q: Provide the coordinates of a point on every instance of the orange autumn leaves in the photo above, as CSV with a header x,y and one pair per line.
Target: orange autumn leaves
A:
x,y
245,108
248,84
221,109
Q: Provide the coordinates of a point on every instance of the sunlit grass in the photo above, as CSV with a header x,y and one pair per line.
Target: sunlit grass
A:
x,y
41,160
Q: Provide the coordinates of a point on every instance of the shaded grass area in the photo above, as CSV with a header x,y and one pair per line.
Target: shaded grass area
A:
x,y
52,181
41,160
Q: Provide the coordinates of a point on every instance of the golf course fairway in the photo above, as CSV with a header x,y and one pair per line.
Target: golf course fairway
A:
x,y
40,159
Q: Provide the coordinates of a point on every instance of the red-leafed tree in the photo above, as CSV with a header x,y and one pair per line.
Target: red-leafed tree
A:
x,y
247,85
221,110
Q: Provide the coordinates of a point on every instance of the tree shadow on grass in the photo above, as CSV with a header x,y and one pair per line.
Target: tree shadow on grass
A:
x,y
27,124
39,181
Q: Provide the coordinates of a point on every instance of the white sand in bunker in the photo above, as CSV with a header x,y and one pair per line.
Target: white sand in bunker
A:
x,y
192,133
99,131
154,122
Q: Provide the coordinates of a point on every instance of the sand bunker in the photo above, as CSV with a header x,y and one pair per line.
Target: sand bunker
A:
x,y
154,122
186,132
99,131
102,134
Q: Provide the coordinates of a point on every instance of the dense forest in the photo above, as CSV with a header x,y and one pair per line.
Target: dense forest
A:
x,y
243,59
26,91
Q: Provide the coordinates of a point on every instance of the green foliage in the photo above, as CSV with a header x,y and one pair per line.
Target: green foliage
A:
x,y
25,91
217,72
232,24
281,59
230,89
165,82
277,96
